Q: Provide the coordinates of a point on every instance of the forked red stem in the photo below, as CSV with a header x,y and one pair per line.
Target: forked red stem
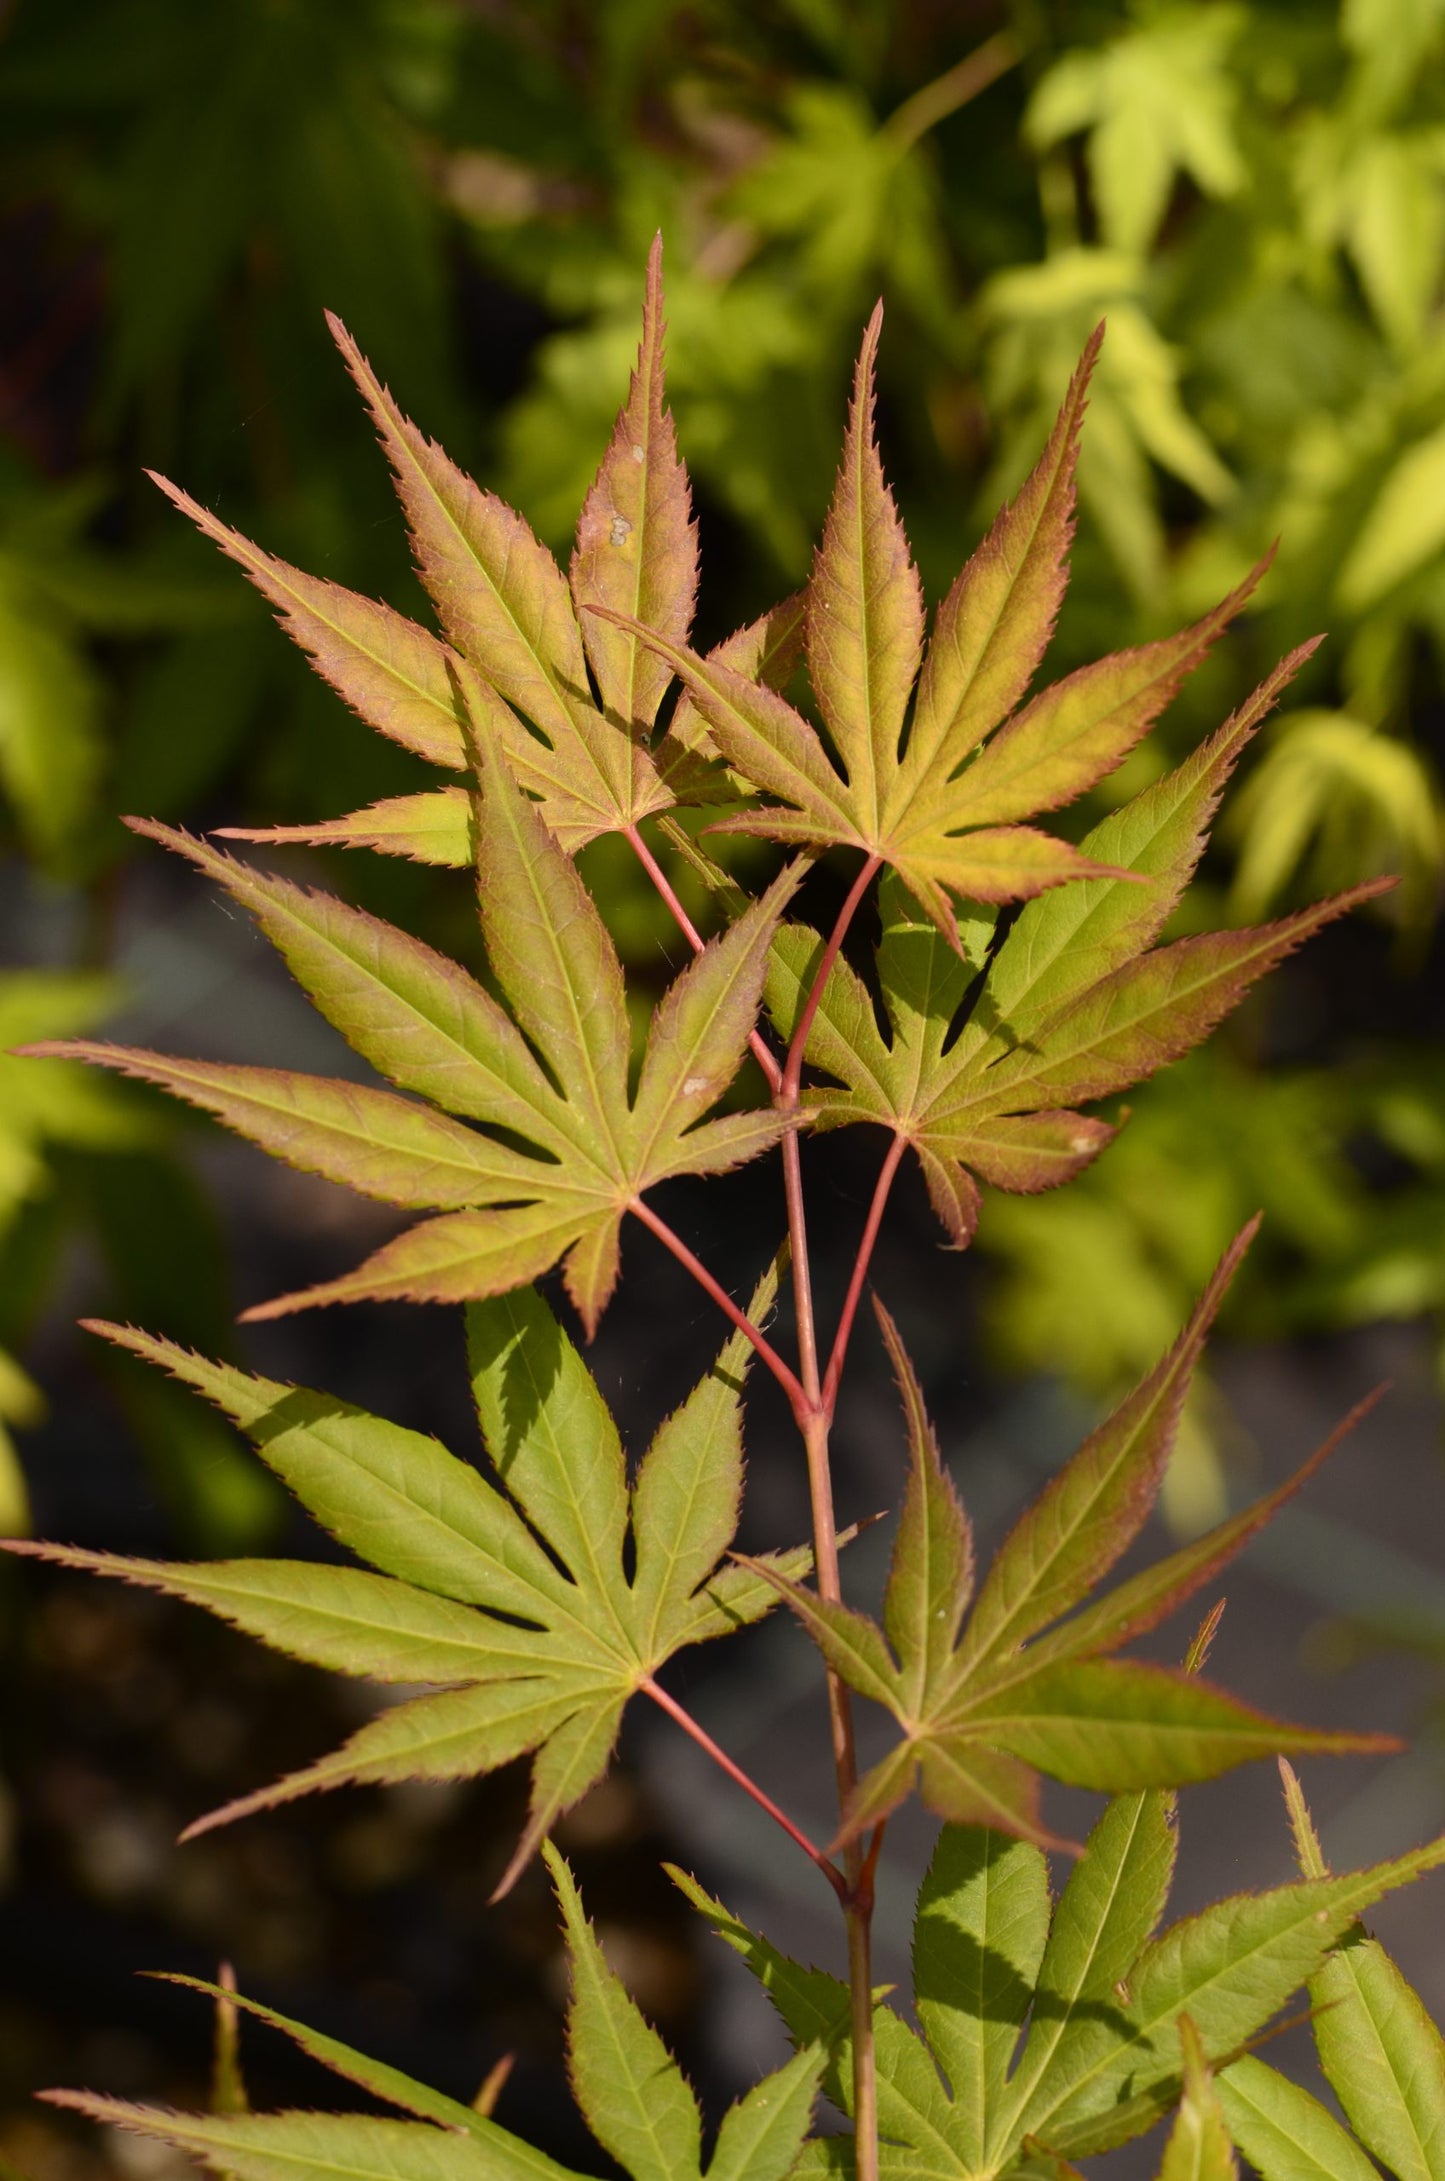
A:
x,y
767,1353
812,1399
748,1785
857,1897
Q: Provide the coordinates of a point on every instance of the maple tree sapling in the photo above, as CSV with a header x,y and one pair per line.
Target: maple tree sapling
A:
x,y
531,1596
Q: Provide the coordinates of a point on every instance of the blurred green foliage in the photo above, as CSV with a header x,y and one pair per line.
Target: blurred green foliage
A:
x,y
1254,196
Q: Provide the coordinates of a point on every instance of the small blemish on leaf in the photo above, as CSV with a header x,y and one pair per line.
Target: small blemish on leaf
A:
x,y
694,1084
619,530
639,453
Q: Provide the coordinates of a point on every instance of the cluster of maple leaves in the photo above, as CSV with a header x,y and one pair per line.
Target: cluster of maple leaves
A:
x,y
535,1601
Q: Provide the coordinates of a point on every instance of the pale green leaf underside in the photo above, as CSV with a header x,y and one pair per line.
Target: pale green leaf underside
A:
x,y
1101,2061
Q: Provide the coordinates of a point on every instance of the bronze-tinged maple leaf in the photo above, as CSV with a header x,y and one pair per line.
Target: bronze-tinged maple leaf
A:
x,y
939,794
524,661
1026,1682
580,1148
1072,1006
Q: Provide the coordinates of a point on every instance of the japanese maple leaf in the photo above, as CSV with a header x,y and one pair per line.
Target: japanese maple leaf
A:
x,y
938,792
580,1148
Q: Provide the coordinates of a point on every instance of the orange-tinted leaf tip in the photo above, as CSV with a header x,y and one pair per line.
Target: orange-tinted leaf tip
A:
x,y
280,1306
521,1857
1196,1658
227,1814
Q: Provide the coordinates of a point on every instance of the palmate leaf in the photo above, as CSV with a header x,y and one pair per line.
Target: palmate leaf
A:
x,y
512,665
936,799
630,2089
1382,2056
1045,2038
533,1646
1071,1006
1020,1687
507,1214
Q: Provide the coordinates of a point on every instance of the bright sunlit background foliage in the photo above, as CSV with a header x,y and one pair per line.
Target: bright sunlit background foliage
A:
x,y
1253,195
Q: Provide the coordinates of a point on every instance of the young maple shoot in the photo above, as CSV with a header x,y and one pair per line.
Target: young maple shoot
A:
x,y
533,1596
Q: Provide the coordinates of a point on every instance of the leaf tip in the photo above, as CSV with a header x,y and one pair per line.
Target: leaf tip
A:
x,y
1196,1658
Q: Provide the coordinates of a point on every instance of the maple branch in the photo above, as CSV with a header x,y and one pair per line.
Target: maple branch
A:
x,y
767,1353
881,1187
749,1786
859,1915
813,1421
757,1042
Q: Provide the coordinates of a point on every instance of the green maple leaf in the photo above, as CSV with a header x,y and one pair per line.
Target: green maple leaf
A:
x,y
1382,2056
630,2089
939,794
1199,2146
533,1645
1027,1683
1076,1002
1049,2032
591,1147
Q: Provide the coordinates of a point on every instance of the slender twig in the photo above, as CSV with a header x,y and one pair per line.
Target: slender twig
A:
x,y
937,100
749,1786
813,1422
802,1270
764,1058
665,887
884,1183
793,1066
865,2067
767,1353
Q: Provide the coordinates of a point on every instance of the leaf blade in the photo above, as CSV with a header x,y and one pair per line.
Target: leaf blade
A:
x,y
323,2146
1286,2134
627,2083
865,606
978,1938
995,623
636,539
1088,1515
930,1577
391,672
1078,730
378,1144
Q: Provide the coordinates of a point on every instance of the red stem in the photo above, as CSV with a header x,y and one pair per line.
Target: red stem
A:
x,y
793,1068
749,1786
860,1272
786,1378
691,934
864,1884
813,1420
